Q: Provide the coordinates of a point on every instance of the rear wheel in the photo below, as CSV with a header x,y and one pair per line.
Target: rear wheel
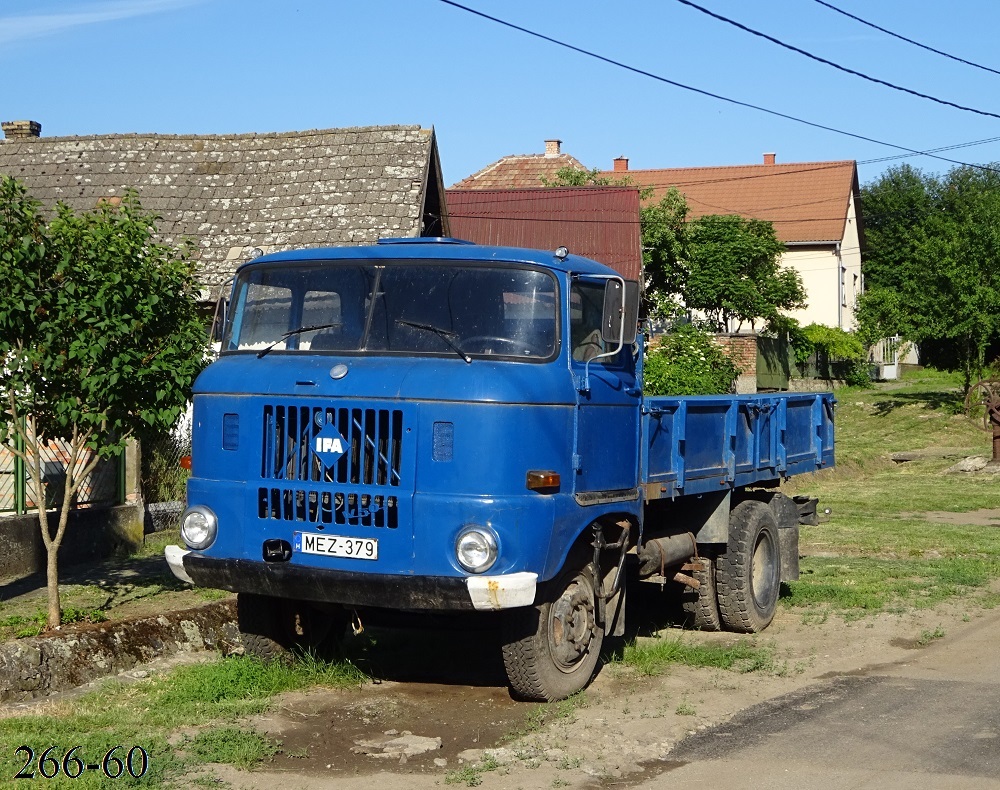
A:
x,y
748,575
273,628
551,650
701,607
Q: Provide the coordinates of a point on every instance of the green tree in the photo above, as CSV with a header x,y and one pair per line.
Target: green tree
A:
x,y
664,244
99,338
933,262
726,266
896,207
734,274
575,177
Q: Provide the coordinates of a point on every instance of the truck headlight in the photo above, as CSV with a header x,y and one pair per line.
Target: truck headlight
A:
x,y
476,549
199,526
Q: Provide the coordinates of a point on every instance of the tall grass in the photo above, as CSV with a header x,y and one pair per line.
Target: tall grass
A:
x,y
878,550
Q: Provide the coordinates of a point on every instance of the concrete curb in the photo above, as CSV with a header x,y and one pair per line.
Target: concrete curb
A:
x,y
38,666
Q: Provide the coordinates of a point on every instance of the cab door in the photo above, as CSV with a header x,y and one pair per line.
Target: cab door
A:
x,y
606,456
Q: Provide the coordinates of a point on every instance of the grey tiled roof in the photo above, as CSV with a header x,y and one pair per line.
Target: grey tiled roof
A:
x,y
231,193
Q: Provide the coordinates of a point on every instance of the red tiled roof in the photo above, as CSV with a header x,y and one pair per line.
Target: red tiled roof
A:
x,y
601,223
520,171
806,201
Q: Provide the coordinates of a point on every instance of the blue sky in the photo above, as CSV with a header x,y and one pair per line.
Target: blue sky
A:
x,y
83,67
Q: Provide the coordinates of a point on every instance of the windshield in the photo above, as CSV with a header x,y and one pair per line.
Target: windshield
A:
x,y
444,309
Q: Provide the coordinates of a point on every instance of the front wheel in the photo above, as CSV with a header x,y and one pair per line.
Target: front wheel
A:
x,y
272,629
551,650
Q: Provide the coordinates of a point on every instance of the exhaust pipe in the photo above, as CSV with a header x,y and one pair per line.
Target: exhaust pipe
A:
x,y
661,553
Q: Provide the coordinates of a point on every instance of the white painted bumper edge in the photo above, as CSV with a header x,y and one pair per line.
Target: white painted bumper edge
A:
x,y
175,559
490,593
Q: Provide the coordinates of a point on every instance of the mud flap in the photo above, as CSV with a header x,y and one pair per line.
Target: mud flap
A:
x,y
788,539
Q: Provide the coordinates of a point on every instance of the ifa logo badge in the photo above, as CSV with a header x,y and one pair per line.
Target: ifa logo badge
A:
x,y
328,444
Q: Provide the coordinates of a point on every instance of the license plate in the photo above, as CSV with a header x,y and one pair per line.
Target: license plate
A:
x,y
336,546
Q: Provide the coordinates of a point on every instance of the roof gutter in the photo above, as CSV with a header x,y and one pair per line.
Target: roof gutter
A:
x,y
840,288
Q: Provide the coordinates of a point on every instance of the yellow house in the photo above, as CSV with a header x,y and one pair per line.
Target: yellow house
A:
x,y
814,207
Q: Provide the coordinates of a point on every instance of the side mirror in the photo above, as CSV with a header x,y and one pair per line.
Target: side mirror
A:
x,y
617,302
218,320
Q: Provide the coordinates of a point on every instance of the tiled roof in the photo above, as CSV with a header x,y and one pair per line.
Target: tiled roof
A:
x,y
520,171
806,201
231,193
601,223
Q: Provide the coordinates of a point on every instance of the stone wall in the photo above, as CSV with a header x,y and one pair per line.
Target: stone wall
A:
x,y
92,534
42,665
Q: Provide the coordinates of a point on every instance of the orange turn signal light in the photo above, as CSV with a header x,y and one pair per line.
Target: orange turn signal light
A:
x,y
186,462
540,480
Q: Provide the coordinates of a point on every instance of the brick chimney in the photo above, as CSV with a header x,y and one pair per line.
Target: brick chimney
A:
x,y
769,159
21,130
552,147
621,163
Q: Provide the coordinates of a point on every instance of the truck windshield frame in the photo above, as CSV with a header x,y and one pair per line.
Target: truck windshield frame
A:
x,y
438,308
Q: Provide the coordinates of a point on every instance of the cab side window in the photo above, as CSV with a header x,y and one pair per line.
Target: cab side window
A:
x,y
586,308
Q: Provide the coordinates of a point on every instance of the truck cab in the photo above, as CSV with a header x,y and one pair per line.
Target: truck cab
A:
x,y
415,425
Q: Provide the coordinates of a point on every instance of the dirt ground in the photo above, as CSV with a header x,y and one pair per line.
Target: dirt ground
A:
x,y
439,711
450,720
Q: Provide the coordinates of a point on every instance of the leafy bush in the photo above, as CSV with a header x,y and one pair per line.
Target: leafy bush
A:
x,y
831,341
838,354
689,362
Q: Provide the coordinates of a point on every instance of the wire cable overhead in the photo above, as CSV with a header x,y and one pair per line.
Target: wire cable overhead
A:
x,y
709,94
832,64
907,40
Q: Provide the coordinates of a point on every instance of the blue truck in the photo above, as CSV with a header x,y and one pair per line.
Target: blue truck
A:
x,y
428,425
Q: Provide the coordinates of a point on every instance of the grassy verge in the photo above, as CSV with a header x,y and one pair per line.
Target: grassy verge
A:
x,y
654,656
899,535
206,702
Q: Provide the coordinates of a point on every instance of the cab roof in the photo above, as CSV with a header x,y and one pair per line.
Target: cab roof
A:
x,y
438,248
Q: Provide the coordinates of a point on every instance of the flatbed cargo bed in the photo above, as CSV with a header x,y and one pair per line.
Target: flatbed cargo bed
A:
x,y
702,444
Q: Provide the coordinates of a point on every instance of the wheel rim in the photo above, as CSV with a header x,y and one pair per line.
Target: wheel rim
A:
x,y
764,571
572,625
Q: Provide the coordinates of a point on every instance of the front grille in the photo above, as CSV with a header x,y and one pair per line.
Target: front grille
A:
x,y
328,507
348,457
373,438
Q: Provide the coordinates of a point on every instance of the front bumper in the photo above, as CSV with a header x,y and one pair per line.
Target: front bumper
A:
x,y
351,588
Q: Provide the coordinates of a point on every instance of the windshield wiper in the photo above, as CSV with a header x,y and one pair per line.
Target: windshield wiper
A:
x,y
298,331
444,334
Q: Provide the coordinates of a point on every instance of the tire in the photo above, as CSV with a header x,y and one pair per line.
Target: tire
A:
x,y
551,650
274,629
748,574
701,607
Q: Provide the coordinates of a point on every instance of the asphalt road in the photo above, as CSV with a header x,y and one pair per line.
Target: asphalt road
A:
x,y
931,722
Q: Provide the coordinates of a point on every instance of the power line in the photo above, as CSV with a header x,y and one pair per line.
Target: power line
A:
x,y
833,64
935,150
907,40
703,92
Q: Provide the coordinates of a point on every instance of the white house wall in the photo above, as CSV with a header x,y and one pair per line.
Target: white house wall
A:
x,y
831,277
